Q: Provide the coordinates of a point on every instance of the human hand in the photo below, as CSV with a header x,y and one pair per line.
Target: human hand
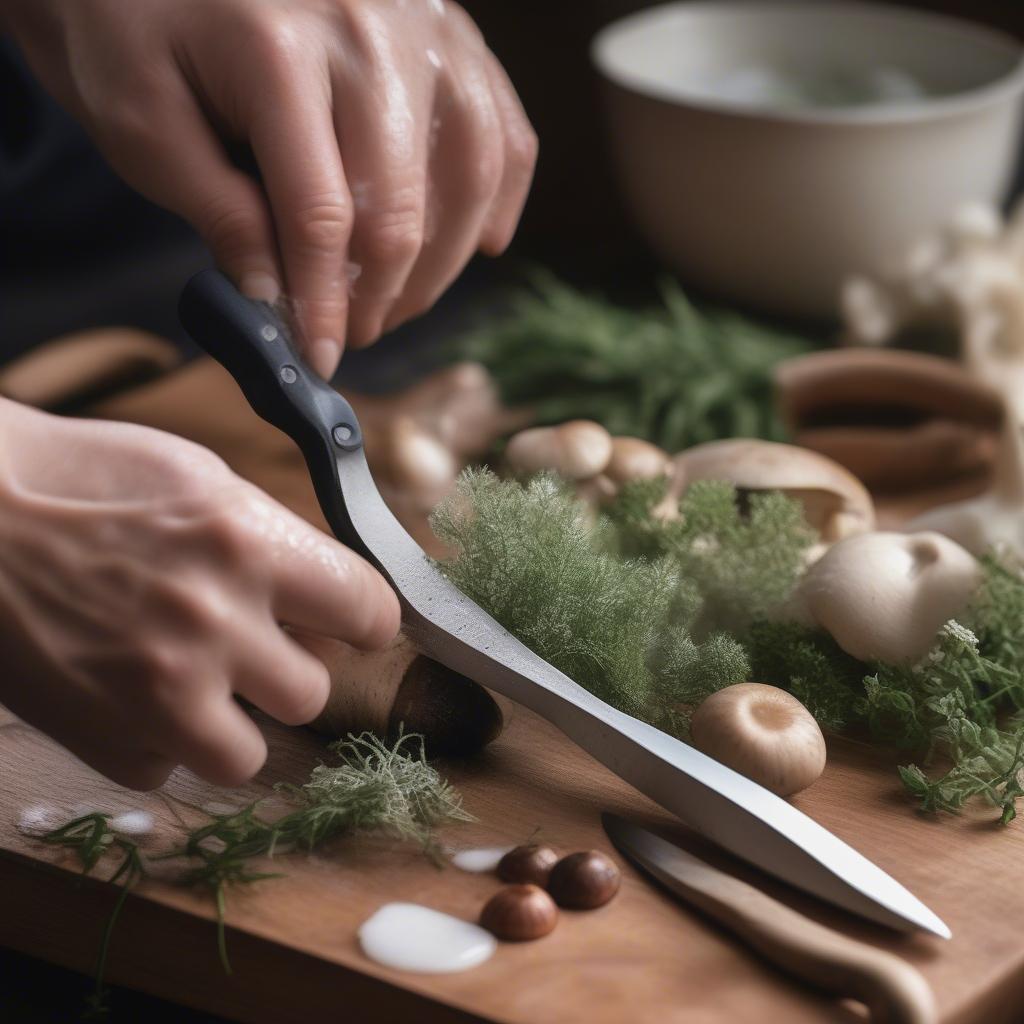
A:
x,y
390,142
143,585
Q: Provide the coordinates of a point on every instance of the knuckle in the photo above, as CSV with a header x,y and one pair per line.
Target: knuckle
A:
x,y
322,228
163,666
229,229
275,40
395,236
231,540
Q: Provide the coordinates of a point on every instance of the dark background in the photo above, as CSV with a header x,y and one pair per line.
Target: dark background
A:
x,y
79,250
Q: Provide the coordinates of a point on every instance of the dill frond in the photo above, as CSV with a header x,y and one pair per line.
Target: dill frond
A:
x,y
675,375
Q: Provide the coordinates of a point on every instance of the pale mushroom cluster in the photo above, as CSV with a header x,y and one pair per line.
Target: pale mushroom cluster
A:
x,y
967,277
586,455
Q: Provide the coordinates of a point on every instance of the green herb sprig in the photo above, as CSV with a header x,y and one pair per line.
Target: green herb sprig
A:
x,y
89,837
373,786
676,376
654,615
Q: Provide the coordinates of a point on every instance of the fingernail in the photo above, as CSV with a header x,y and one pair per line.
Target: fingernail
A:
x,y
260,286
324,356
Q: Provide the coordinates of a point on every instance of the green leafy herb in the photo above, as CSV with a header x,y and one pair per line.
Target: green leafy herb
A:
x,y
89,837
372,787
618,626
653,615
675,376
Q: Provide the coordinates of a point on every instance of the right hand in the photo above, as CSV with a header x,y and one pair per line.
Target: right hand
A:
x,y
143,585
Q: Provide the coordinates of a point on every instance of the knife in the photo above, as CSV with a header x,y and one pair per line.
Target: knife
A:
x,y
894,990
253,344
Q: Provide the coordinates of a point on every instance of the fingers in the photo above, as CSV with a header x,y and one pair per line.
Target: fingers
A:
x,y
179,163
480,168
384,148
295,145
282,678
322,587
520,160
218,741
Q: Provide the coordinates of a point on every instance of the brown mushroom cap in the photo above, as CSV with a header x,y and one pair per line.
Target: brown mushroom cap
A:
x,y
575,450
635,459
835,502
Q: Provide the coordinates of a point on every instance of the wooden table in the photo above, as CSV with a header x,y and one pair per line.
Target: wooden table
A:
x,y
642,958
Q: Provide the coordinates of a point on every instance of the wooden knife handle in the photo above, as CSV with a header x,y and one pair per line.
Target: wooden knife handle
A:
x,y
894,991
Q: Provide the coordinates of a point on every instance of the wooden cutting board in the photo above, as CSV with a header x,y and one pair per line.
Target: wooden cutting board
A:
x,y
642,958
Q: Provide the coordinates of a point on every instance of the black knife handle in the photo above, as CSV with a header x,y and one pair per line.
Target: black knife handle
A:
x,y
254,346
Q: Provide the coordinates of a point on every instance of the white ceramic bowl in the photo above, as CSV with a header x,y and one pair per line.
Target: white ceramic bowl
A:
x,y
773,205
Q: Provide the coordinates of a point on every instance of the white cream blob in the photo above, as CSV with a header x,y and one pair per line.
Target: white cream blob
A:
x,y
410,937
38,819
480,859
133,823
434,59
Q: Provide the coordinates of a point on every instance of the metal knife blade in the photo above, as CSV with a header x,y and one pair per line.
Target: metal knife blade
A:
x,y
746,819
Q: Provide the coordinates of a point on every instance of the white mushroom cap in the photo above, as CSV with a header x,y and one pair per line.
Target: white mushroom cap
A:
x,y
576,450
835,502
762,732
884,596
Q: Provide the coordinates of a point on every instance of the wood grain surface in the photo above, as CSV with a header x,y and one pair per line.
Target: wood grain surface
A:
x,y
642,958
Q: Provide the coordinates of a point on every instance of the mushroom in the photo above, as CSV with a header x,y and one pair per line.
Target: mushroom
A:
x,y
835,502
884,596
897,420
575,450
519,913
635,459
383,691
584,881
995,519
528,863
762,732
418,440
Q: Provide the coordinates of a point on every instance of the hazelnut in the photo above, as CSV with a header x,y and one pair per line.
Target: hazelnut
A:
x,y
527,863
583,881
519,913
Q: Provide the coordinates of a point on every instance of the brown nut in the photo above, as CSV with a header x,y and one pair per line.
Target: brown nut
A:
x,y
519,913
528,863
583,881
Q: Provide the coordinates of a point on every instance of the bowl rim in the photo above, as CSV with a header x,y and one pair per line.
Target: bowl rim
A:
x,y
1006,86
